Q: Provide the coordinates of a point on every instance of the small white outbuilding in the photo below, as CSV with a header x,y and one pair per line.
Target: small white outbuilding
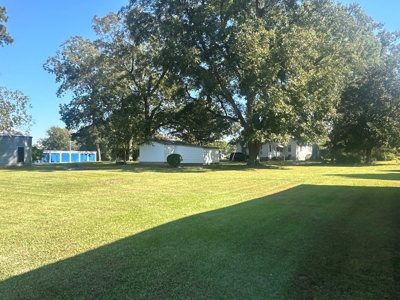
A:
x,y
158,150
15,148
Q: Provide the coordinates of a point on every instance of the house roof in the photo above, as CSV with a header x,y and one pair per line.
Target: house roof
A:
x,y
14,132
179,143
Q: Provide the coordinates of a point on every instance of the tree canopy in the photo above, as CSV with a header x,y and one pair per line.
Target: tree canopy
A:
x,y
369,113
5,38
13,110
13,104
122,86
275,67
57,138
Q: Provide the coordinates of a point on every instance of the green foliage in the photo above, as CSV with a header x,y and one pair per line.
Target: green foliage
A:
x,y
199,122
200,69
14,107
122,94
369,111
348,158
37,152
277,71
5,38
385,154
174,159
57,139
13,104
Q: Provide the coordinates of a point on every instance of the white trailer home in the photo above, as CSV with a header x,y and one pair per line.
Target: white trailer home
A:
x,y
158,150
290,151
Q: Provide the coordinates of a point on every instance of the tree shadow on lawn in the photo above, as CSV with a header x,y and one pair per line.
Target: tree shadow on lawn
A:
x,y
374,176
138,168
323,242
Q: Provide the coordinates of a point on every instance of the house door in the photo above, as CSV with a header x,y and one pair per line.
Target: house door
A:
x,y
21,154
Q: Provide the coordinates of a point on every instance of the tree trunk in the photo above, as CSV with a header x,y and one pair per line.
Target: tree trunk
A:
x,y
333,154
363,154
315,152
368,154
254,153
98,152
130,147
126,153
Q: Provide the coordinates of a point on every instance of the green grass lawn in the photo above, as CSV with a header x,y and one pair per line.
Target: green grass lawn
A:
x,y
215,232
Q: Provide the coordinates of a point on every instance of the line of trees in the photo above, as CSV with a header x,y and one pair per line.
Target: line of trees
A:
x,y
263,70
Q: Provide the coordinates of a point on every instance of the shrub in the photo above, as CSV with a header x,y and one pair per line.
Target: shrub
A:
x,y
37,153
384,155
390,156
348,158
174,159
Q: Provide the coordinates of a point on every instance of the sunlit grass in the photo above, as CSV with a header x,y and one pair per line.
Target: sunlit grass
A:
x,y
222,231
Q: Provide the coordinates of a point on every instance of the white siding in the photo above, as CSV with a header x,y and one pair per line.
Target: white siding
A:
x,y
303,151
153,152
293,147
169,149
210,156
158,153
296,153
190,155
264,152
240,148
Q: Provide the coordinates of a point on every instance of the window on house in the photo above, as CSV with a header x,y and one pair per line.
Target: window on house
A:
x,y
289,148
21,154
270,149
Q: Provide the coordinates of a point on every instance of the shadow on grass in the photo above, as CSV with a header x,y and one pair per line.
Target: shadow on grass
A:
x,y
138,168
323,242
375,176
391,171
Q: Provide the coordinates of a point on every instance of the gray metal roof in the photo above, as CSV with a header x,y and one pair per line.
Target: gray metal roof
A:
x,y
179,143
14,132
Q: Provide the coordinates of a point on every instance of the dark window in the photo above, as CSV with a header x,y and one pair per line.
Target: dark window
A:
x,y
21,154
289,148
270,148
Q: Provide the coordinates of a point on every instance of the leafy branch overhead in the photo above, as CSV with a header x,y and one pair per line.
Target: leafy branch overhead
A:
x,y
14,105
5,37
13,110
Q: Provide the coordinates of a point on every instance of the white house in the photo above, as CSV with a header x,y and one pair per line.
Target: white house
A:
x,y
158,150
290,151
15,148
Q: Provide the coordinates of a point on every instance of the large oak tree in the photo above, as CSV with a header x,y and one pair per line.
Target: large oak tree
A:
x,y
276,67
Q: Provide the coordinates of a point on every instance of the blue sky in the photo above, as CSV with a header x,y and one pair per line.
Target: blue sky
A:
x,y
39,27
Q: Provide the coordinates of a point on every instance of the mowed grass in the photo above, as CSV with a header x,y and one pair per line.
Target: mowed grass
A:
x,y
218,232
